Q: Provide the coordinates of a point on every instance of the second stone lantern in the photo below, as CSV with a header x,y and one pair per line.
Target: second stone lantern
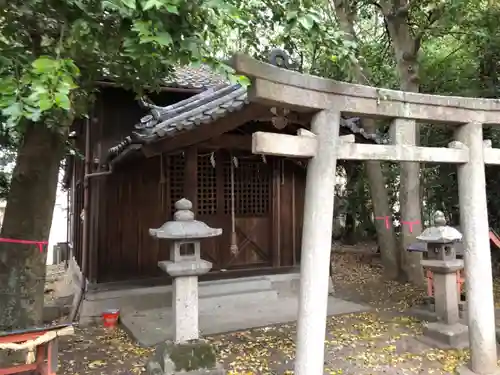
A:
x,y
443,263
185,265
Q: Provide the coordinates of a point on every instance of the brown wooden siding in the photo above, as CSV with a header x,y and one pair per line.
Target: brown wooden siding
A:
x,y
140,194
143,195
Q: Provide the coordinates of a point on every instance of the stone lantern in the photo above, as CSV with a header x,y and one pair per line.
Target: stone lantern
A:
x,y
185,265
443,263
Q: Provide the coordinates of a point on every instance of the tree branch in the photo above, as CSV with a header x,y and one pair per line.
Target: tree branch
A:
x,y
432,17
346,22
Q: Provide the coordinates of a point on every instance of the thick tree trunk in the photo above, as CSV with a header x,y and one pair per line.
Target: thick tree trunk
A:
x,y
380,199
352,174
28,216
381,209
406,52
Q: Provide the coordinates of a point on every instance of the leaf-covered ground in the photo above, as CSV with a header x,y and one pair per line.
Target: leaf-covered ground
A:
x,y
365,343
383,341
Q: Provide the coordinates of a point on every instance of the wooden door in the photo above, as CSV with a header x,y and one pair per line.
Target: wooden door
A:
x,y
252,198
252,206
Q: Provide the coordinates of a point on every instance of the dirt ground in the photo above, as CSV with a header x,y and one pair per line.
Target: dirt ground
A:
x,y
356,344
383,341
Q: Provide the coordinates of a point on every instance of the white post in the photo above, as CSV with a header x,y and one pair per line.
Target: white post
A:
x,y
478,274
316,245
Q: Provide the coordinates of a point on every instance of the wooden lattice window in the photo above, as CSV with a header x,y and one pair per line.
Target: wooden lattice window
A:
x,y
251,187
176,179
207,186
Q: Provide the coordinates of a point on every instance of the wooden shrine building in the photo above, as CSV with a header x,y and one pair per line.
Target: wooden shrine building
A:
x,y
140,159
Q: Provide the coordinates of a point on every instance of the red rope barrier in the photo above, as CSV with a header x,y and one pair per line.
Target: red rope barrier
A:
x,y
39,244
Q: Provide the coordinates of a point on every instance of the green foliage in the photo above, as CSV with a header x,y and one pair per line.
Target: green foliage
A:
x,y
53,51
43,85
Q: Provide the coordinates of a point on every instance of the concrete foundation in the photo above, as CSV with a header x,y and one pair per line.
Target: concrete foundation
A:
x,y
150,327
225,305
212,295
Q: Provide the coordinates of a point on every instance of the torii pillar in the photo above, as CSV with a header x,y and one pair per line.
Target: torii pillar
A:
x,y
321,147
478,275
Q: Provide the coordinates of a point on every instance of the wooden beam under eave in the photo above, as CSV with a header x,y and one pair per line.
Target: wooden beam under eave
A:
x,y
206,131
229,142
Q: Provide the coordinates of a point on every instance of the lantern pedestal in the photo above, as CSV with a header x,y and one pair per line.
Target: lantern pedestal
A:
x,y
442,262
191,358
187,354
185,296
447,329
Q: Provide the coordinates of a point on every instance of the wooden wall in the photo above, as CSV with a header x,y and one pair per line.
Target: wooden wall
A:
x,y
140,194
143,195
113,117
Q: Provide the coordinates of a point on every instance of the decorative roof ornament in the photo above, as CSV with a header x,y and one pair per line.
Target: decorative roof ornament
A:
x,y
281,59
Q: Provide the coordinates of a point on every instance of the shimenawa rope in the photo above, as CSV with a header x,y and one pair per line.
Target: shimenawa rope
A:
x,y
31,345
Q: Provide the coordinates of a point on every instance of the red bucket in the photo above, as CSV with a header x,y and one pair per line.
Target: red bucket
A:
x,y
110,318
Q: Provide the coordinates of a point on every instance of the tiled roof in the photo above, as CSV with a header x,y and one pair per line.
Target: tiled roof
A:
x,y
202,77
199,78
203,108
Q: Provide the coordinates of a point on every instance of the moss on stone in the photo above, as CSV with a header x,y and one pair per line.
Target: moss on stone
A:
x,y
195,355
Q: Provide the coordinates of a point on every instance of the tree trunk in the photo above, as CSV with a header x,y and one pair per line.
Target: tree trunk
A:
x,y
380,199
381,209
28,216
352,174
406,50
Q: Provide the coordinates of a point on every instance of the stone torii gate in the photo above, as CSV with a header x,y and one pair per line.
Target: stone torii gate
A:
x,y
326,100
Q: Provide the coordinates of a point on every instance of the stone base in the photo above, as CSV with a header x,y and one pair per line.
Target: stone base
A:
x,y
465,370
452,336
423,312
196,357
426,311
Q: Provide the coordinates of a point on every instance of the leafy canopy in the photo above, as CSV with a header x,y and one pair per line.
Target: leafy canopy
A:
x,y
52,51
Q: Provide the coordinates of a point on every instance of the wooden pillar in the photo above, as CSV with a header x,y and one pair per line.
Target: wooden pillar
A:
x,y
276,213
72,214
191,176
94,186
